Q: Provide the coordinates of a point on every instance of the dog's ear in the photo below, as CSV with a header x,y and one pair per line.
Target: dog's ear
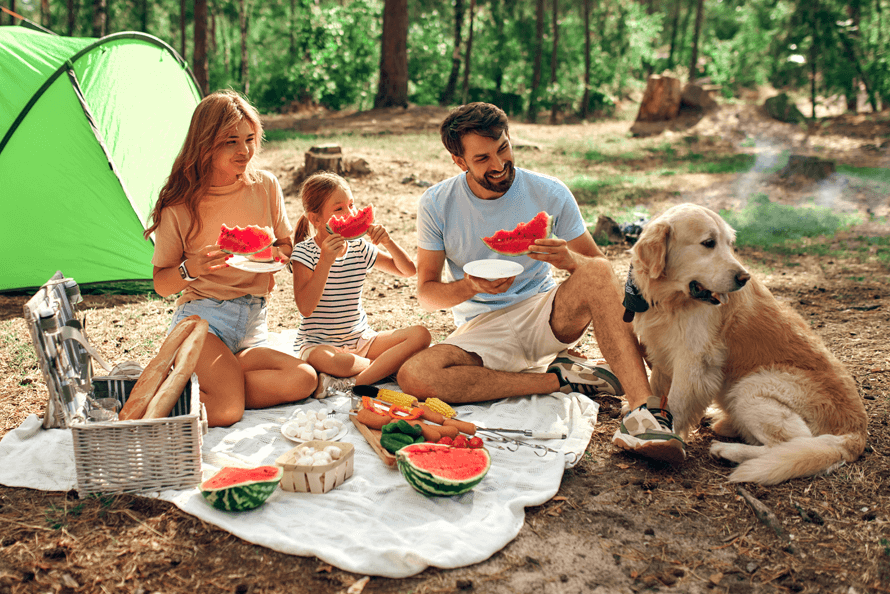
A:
x,y
651,250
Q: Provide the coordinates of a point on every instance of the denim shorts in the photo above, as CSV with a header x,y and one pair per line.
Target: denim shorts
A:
x,y
240,323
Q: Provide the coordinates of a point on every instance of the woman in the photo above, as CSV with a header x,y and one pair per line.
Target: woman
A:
x,y
214,182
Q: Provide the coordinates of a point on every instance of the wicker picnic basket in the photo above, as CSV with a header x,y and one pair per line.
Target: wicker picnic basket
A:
x,y
110,456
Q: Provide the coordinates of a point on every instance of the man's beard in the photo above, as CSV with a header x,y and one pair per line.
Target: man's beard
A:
x,y
501,186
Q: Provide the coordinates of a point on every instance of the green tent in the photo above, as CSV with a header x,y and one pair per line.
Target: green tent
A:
x,y
89,129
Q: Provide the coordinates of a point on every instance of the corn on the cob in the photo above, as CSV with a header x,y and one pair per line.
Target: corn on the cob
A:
x,y
397,398
440,407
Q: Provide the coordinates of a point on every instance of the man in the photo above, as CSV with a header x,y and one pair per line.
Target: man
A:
x,y
513,335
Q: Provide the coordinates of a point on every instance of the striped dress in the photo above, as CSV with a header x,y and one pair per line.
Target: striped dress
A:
x,y
339,319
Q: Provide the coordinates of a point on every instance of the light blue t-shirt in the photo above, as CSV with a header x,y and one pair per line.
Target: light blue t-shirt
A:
x,y
452,219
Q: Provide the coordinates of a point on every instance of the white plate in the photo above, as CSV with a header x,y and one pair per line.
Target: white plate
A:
x,y
493,269
289,430
242,263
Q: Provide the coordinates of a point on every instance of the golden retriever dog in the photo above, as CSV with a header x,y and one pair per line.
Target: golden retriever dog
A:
x,y
714,335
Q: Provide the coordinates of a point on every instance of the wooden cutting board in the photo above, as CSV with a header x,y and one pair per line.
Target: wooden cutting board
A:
x,y
372,436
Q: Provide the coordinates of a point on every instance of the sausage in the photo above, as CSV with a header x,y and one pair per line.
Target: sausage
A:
x,y
462,426
183,366
371,419
431,433
431,415
156,371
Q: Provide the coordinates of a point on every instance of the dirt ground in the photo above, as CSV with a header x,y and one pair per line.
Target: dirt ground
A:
x,y
619,523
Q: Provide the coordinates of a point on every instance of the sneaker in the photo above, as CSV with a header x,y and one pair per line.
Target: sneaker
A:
x,y
579,375
328,384
648,430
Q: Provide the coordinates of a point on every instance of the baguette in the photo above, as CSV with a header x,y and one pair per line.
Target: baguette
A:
x,y
156,371
183,366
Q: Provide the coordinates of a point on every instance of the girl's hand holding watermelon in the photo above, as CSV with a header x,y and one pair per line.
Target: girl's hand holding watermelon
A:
x,y
332,247
378,235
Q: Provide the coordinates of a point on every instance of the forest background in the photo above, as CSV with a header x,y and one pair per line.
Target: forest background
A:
x,y
566,57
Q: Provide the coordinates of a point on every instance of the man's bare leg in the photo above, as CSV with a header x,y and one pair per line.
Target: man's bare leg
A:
x,y
451,374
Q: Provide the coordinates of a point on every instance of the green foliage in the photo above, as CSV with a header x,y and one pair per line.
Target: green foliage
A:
x,y
332,63
765,224
327,51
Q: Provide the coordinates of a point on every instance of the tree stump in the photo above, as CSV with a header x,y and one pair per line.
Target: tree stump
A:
x,y
323,157
810,167
661,101
782,108
698,97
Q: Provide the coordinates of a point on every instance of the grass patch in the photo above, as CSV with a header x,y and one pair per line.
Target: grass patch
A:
x,y
120,288
285,135
20,354
765,224
875,174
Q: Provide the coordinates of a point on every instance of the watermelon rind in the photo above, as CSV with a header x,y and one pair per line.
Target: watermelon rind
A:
x,y
352,227
245,494
225,232
518,242
427,482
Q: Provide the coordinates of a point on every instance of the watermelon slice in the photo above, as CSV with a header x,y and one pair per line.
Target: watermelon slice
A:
x,y
241,489
518,242
245,241
442,470
351,227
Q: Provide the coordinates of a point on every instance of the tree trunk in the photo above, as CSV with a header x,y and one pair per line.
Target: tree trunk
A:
x,y
243,22
45,15
72,17
675,26
448,94
465,91
585,97
199,61
693,62
554,61
536,69
855,12
143,15
814,53
99,18
392,90
182,48
211,34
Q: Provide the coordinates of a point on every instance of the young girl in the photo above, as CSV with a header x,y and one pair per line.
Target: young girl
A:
x,y
214,181
329,273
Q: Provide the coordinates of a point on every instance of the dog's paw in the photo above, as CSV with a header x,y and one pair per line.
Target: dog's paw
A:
x,y
716,449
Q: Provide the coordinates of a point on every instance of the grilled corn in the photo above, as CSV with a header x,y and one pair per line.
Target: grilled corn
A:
x,y
440,407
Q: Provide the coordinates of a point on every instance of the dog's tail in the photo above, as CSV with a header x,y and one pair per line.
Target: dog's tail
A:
x,y
801,456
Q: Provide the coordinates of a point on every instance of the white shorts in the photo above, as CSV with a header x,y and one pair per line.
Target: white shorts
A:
x,y
359,348
515,338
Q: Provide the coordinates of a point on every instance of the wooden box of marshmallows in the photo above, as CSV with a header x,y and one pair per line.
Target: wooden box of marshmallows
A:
x,y
316,466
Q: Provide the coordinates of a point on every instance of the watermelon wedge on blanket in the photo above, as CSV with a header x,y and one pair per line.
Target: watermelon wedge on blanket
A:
x,y
518,242
352,226
245,241
241,489
442,470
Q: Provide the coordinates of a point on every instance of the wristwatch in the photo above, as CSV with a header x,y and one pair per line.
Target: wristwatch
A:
x,y
184,273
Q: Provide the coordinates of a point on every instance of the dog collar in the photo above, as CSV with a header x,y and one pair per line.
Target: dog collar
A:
x,y
633,299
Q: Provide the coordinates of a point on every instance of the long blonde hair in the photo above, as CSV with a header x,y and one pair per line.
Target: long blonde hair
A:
x,y
315,191
212,122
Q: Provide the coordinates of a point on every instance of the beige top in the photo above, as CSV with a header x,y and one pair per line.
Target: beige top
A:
x,y
239,204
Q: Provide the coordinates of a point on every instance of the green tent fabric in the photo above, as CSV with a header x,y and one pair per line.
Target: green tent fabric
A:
x,y
89,129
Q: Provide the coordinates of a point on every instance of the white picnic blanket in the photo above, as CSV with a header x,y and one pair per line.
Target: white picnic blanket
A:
x,y
374,523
